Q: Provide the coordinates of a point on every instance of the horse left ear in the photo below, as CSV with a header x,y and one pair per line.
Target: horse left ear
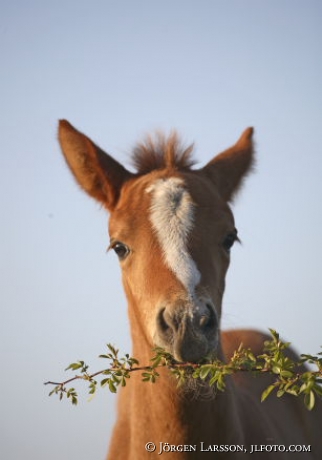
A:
x,y
228,169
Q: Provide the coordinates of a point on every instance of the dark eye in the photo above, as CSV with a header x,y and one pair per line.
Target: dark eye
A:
x,y
229,240
121,250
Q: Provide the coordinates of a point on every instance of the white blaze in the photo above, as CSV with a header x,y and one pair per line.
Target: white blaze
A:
x,y
172,218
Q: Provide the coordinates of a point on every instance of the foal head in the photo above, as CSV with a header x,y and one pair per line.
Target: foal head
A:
x,y
172,229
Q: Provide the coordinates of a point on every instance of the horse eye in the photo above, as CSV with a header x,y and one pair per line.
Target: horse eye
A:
x,y
229,241
121,250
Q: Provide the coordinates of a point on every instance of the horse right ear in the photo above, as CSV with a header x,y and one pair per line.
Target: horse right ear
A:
x,y
228,169
96,172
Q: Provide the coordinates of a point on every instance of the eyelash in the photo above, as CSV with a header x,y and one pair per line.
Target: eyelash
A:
x,y
120,249
229,240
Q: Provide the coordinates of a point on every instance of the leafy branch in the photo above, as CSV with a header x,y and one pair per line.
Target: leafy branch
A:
x,y
288,376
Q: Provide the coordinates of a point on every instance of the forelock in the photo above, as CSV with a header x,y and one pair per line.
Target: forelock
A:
x,y
162,152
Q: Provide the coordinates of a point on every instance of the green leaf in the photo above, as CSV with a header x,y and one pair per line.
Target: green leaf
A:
x,y
75,366
104,382
157,360
111,386
293,391
92,387
276,369
309,400
267,392
214,379
221,385
274,334
146,377
204,371
114,350
286,374
56,390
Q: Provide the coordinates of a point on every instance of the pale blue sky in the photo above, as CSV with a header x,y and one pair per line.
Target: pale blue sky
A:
x,y
117,70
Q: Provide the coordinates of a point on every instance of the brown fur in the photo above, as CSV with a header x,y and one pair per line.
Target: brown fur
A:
x,y
162,413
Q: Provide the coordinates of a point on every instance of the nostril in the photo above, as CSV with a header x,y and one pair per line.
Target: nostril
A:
x,y
208,321
204,321
163,326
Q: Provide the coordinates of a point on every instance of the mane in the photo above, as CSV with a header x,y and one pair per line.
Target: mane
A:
x,y
162,152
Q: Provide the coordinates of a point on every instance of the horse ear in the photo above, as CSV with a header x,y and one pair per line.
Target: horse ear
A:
x,y
229,168
95,171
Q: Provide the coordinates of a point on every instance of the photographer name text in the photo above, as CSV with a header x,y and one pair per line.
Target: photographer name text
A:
x,y
165,447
